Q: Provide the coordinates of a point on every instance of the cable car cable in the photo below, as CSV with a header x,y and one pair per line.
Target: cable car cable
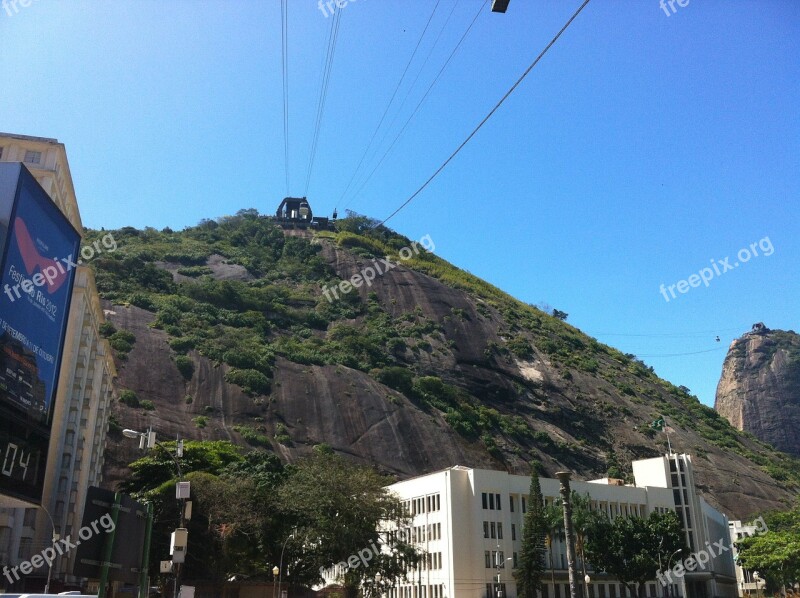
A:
x,y
285,78
385,112
333,36
488,116
421,101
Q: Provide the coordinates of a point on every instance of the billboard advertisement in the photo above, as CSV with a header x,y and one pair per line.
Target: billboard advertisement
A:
x,y
40,250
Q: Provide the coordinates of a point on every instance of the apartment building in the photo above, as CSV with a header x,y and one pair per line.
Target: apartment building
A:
x,y
469,524
82,406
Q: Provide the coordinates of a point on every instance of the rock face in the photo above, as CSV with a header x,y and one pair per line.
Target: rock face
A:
x,y
563,400
759,391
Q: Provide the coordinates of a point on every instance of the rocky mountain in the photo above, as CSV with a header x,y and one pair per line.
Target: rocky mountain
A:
x,y
759,391
231,330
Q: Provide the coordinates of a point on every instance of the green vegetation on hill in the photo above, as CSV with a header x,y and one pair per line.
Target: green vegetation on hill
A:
x,y
278,309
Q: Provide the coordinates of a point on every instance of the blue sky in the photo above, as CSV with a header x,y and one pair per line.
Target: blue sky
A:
x,y
642,147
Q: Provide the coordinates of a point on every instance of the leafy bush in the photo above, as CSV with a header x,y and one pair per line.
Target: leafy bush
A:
x,y
252,436
252,382
185,366
129,398
147,405
106,329
201,421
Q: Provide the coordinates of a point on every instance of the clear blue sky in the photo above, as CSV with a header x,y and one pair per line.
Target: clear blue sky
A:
x,y
642,146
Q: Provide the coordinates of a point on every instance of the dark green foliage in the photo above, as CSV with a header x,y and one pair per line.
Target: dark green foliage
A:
x,y
147,405
531,557
252,381
129,398
253,436
630,548
399,378
185,366
106,329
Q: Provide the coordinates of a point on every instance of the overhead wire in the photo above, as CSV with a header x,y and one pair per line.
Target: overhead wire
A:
x,y
389,104
421,101
323,93
488,116
411,88
285,80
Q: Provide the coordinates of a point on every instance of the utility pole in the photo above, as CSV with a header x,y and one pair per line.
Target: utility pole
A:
x,y
563,477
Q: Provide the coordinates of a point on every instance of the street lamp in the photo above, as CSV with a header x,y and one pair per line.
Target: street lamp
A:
x,y
55,537
280,567
587,580
275,572
148,440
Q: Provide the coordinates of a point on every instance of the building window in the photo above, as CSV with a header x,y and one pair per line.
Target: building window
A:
x,y
485,529
33,157
524,505
515,560
491,501
488,558
494,530
497,502
511,503
499,531
485,500
513,531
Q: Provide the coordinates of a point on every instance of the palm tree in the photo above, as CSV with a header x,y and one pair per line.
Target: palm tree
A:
x,y
554,518
583,518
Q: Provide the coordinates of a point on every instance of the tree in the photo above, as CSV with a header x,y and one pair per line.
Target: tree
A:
x,y
531,559
632,548
774,553
554,519
583,521
338,510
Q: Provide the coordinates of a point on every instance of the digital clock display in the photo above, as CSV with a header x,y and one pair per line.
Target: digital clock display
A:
x,y
22,459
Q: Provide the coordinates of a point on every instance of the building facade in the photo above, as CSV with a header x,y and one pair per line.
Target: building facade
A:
x,y
747,581
468,522
82,406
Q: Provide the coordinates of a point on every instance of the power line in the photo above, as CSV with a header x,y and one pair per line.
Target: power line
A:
x,y
682,354
323,92
386,110
421,101
488,116
285,77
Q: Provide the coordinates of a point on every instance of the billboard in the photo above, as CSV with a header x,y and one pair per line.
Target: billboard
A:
x,y
39,251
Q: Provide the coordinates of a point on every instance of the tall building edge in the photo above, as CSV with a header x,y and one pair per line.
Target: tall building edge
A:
x,y
83,398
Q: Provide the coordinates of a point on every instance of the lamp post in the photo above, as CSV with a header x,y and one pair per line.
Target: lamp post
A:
x,y
275,571
148,440
378,578
280,567
587,580
564,477
54,538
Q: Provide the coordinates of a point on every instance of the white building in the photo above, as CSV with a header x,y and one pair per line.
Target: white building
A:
x,y
82,406
746,580
467,521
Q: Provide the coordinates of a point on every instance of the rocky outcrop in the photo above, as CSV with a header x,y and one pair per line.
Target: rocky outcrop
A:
x,y
564,410
759,391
